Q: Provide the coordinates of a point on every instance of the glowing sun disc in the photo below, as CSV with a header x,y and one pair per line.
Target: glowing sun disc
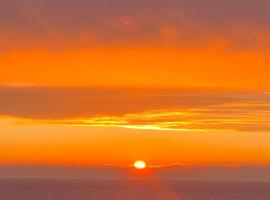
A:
x,y
139,164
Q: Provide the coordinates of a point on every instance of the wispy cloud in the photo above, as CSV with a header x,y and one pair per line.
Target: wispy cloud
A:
x,y
179,110
240,117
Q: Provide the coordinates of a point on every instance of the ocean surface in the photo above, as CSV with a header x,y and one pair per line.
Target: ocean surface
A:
x,y
130,190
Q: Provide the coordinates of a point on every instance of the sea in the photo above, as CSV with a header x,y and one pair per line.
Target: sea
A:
x,y
50,189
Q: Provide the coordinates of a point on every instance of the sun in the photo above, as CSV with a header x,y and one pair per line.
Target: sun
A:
x,y
139,164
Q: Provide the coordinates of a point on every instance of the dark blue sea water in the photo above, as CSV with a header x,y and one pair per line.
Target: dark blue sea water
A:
x,y
130,190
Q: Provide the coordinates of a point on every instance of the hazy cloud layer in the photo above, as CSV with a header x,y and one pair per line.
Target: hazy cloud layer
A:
x,y
184,23
213,173
185,109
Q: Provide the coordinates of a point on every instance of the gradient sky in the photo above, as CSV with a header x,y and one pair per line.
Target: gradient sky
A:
x,y
171,82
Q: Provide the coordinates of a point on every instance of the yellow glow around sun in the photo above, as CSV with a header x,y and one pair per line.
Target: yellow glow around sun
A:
x,y
139,164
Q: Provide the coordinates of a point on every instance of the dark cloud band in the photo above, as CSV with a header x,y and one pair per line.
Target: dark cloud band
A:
x,y
184,109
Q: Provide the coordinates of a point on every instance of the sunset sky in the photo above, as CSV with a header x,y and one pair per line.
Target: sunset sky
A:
x,y
171,82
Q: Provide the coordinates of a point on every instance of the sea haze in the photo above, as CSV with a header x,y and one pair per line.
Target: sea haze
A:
x,y
52,189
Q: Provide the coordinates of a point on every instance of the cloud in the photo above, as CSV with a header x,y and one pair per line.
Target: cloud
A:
x,y
67,24
180,110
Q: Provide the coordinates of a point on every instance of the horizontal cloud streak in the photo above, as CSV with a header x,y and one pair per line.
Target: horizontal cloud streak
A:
x,y
184,109
183,173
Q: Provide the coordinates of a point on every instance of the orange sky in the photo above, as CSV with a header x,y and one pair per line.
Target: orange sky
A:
x,y
47,144
137,67
94,83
